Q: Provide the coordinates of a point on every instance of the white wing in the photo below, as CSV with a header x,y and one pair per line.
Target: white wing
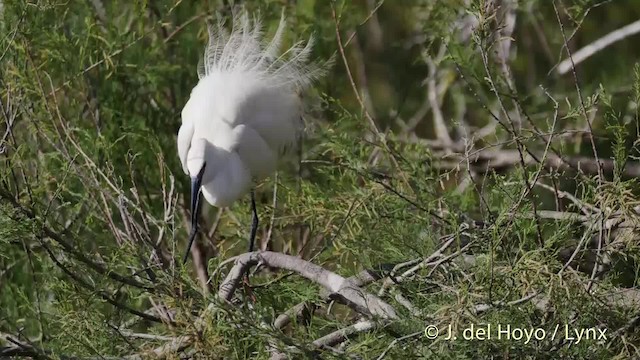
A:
x,y
231,181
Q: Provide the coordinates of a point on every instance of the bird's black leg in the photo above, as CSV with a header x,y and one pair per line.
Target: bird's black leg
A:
x,y
254,221
252,238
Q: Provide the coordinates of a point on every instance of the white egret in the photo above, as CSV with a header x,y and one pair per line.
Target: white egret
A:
x,y
244,113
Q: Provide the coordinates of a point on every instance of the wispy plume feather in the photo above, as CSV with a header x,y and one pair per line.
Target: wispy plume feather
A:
x,y
244,51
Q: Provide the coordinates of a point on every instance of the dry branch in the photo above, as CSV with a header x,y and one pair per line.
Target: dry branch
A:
x,y
589,50
341,335
491,159
341,288
301,310
16,347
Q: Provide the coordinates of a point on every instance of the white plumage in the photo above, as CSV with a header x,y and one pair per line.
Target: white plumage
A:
x,y
243,114
245,110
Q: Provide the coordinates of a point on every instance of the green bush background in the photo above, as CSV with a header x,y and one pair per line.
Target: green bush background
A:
x,y
91,189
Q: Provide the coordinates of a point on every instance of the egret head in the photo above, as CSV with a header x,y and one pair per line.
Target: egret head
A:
x,y
196,165
196,158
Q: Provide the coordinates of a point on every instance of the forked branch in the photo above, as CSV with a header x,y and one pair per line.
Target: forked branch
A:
x,y
342,289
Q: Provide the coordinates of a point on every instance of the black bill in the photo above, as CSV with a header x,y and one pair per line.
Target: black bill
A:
x,y
196,183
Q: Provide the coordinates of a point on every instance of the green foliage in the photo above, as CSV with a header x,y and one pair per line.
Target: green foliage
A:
x,y
92,196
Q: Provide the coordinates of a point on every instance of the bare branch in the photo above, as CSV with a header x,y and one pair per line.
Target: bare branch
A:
x,y
340,287
341,335
598,45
